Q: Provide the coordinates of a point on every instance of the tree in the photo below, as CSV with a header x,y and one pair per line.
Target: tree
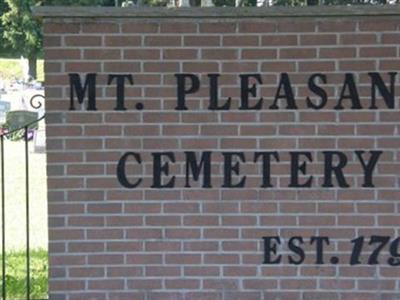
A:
x,y
3,10
79,2
22,33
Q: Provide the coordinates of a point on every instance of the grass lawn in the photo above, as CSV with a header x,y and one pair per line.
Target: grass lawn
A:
x,y
15,209
15,197
15,222
16,275
11,69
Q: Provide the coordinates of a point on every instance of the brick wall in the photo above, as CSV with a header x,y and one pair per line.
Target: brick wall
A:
x,y
110,242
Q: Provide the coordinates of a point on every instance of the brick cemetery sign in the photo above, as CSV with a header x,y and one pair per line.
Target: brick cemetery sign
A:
x,y
223,154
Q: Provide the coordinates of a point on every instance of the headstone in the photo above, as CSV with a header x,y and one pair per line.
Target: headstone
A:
x,y
207,3
20,118
5,106
184,3
4,109
25,68
39,141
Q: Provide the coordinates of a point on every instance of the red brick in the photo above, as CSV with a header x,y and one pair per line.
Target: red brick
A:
x,y
62,54
202,40
290,53
217,27
139,54
139,27
259,54
342,52
223,54
60,27
336,26
178,27
240,40
102,54
179,54
83,40
205,243
318,39
279,40
97,27
256,27
357,39
378,52
122,41
300,26
164,40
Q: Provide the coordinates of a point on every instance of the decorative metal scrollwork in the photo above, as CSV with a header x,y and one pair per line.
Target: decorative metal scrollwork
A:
x,y
39,102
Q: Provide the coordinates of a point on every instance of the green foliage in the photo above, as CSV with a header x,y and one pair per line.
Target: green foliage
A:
x,y
249,2
22,33
78,2
224,2
3,10
16,274
3,7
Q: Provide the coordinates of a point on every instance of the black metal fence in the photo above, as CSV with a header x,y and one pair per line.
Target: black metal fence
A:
x,y
25,132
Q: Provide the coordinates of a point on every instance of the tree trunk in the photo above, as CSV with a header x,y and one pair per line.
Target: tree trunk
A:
x,y
32,66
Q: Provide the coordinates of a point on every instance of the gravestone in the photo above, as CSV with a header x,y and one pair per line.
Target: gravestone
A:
x,y
4,108
20,118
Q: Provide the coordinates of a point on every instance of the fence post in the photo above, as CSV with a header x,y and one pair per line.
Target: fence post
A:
x,y
28,279
3,223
